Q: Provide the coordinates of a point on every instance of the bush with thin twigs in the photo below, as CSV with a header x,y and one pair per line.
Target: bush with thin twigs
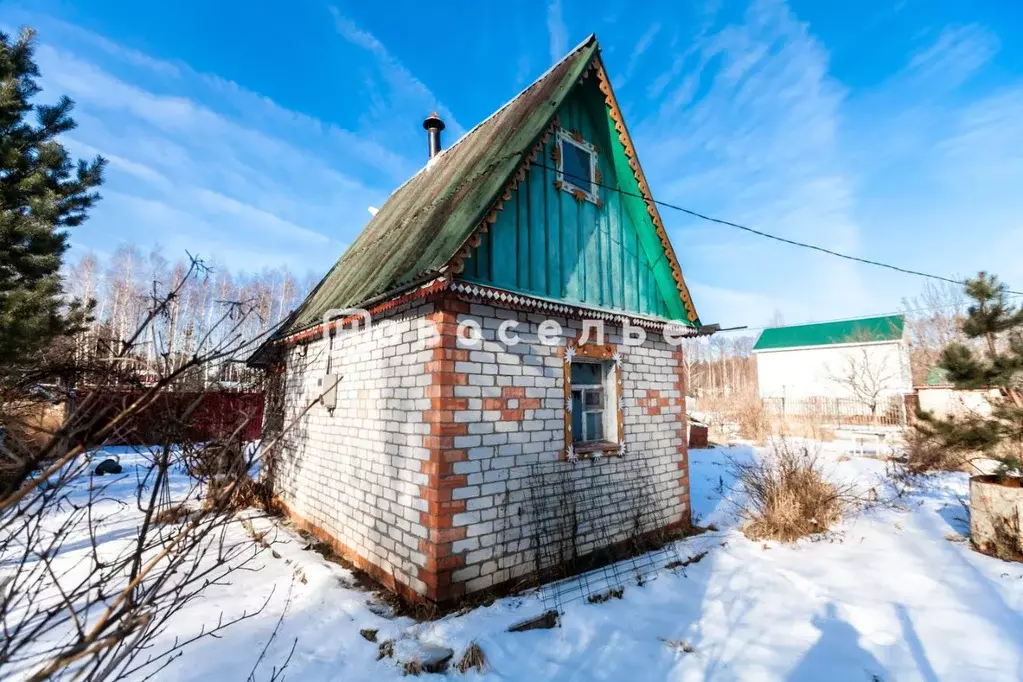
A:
x,y
472,659
175,513
738,414
183,541
925,455
787,494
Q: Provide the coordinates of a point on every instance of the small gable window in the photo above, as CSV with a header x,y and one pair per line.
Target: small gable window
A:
x,y
577,166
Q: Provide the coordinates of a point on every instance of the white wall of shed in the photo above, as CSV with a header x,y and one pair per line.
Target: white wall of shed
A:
x,y
812,372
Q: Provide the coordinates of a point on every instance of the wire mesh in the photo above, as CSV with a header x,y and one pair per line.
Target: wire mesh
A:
x,y
598,525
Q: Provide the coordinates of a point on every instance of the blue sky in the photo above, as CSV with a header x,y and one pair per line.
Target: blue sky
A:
x,y
258,134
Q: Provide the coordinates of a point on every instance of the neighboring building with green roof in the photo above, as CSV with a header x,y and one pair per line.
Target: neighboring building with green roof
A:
x,y
863,330
856,359
411,451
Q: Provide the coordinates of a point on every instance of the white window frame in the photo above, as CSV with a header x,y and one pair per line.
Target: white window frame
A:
x,y
569,184
609,404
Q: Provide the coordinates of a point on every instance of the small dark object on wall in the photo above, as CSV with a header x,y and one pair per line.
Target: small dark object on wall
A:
x,y
108,466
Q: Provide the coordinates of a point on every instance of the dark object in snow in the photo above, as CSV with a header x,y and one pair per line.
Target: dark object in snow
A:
x,y
386,649
545,621
433,658
368,634
108,466
606,595
691,560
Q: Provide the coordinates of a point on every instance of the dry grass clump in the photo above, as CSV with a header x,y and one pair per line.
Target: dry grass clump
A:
x,y
788,495
738,414
752,420
472,659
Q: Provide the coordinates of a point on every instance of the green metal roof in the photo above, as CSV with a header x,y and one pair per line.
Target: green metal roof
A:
x,y
426,220
863,330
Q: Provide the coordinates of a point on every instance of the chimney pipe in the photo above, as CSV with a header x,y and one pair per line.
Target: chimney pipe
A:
x,y
433,126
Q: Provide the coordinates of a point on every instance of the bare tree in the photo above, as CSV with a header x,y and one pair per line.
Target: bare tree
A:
x,y
124,286
720,366
933,321
101,615
865,375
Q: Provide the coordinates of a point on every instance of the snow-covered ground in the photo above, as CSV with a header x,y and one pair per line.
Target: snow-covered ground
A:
x,y
895,593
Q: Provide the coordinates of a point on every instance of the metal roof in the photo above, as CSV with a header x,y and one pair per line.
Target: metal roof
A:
x,y
863,330
425,221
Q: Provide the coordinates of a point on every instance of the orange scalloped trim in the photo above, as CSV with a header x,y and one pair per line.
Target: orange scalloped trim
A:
x,y
457,262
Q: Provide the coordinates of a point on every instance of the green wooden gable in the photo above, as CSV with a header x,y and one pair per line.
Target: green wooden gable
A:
x,y
551,243
863,330
614,256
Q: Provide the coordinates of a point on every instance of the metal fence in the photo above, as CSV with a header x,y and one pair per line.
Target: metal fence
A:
x,y
887,411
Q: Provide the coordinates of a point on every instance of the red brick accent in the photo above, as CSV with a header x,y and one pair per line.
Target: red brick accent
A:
x,y
680,386
512,403
653,402
441,562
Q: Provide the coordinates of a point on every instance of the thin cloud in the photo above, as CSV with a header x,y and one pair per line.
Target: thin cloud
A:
x,y
248,108
644,43
958,53
191,176
557,32
396,74
751,132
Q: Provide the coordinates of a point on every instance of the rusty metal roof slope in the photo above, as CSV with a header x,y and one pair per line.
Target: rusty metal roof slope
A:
x,y
426,220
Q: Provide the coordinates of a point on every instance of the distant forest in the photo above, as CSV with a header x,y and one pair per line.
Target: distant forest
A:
x,y
125,285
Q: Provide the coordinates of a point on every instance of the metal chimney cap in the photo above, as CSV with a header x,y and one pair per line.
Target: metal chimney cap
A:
x,y
433,122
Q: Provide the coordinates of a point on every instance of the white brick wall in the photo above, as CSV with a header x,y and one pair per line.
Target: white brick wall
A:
x,y
497,546
356,471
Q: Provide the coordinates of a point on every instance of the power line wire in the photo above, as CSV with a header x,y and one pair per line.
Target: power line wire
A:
x,y
761,233
858,317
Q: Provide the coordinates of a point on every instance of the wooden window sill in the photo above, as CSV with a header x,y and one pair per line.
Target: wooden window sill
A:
x,y
602,446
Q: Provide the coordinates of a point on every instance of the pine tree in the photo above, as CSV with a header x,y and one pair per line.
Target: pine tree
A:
x,y
42,194
998,325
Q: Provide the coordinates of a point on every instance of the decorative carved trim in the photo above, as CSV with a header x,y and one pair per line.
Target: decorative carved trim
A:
x,y
435,285
480,293
602,352
623,136
457,262
493,296
572,185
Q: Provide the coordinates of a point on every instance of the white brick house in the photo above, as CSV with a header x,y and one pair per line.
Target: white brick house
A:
x,y
417,465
